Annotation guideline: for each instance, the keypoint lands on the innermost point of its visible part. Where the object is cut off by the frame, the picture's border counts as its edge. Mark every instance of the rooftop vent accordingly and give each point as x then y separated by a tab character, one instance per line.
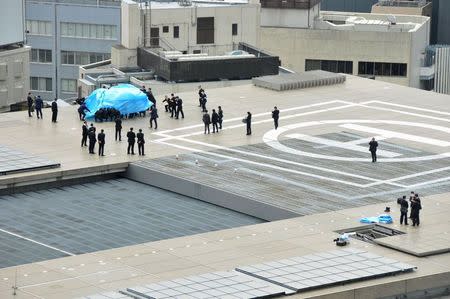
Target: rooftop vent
369	233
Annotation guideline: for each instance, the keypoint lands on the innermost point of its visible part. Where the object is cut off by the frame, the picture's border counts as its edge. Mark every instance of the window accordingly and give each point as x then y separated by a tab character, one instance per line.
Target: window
205	30
234	29
386	69
94	31
165	29
68	85
39	27
176	31
41	83
334	66
82	58
41	55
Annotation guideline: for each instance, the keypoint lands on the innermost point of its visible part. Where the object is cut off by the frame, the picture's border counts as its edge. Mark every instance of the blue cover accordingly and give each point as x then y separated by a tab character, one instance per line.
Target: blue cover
387	219
124	97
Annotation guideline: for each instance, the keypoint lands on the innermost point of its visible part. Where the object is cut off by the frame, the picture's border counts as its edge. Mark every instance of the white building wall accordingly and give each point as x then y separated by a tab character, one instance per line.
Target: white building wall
14	75
420	39
290	18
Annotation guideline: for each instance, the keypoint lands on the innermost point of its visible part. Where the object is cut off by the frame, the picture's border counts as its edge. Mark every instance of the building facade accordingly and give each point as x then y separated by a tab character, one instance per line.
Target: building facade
65	34
14	56
367	45
348	5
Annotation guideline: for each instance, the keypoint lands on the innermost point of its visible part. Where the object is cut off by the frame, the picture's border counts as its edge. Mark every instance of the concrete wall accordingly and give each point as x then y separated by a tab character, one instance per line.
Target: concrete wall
419	11
295	45
291	18
420	39
67	12
14	76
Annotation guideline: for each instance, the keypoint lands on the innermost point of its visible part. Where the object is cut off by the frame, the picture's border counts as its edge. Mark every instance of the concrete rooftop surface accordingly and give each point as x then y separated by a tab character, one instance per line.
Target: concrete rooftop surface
310	178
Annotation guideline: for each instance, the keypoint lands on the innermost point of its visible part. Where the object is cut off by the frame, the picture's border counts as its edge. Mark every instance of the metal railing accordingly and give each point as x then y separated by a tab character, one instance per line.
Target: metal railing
402	3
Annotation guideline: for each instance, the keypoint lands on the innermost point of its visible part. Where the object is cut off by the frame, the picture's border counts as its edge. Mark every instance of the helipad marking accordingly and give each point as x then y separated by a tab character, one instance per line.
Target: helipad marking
271	139
344	145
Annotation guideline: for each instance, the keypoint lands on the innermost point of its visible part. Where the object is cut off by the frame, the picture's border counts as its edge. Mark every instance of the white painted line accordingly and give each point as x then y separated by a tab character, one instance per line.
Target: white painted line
409	107
343	145
366	140
414	175
36	242
254	116
261	164
398	135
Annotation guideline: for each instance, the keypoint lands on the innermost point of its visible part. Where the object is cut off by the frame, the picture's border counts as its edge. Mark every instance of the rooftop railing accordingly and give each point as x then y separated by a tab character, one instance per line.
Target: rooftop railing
402	3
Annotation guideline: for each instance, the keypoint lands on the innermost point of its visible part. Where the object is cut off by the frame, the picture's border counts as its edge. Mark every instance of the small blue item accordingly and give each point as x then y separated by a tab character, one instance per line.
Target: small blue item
124	97
386	219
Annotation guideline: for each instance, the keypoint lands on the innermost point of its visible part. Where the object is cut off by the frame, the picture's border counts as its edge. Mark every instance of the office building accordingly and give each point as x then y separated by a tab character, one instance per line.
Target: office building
64	35
14	56
348	5
371	45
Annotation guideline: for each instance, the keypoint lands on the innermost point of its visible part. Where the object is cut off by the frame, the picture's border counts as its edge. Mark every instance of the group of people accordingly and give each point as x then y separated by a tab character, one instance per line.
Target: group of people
90	133
415	206
216	119
174	105
37	104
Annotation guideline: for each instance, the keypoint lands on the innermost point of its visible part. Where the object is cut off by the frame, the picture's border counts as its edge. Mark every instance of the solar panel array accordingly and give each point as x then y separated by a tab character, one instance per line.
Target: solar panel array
230	284
12	160
327	268
276	278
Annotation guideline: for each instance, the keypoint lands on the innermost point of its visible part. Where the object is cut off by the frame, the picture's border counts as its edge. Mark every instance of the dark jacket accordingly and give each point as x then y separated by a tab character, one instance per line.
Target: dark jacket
30	101
140	137
220	112
179	103
85	130
415	208
118	123
101	138
39	103
275	114
54	106
404	205
206	119
215	117
92	136
373	146
131	137
154	113
248	120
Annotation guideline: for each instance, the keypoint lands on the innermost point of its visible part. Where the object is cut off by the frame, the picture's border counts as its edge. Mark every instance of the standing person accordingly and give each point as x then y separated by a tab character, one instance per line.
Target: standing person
92	140
118	122
404	210
166	101
248	122
203	102
131	141
153	117
179	105
201	93
140	142
415	211
275	116
84	134
101	142
30	104
206	121
151	97
220	112
215	121
411	197
373	149
38	104
172	105
54	110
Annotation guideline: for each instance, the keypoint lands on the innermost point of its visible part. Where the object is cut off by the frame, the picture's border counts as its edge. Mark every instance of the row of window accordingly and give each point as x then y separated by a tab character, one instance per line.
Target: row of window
82	58
387	69
93	31
39	27
68	57
45	84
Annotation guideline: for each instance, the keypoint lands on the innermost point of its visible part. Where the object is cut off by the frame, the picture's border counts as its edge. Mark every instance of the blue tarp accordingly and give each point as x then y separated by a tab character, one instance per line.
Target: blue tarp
124	97
380	219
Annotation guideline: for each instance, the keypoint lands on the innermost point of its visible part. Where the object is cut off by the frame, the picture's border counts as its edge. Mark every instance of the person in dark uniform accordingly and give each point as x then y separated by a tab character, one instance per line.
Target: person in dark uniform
373	149
275	116
92	140
215	121
411	197
151	97
30	104
131	141
38	105
118	122
203	101
248	121
84	134
140	142
201	93
101	142
153	117
166	101
220	112
82	111
54	110
404	210
415	211
206	121
179	105
172	105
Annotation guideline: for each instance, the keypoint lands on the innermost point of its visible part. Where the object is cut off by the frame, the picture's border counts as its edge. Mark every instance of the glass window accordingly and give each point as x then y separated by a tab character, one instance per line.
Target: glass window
48	28
79	30
234	29
85	30
64	29
68	85
42	56
48	55
99	31
165	29
41	84
34	55
70	58
107	31
34	83
176	31
48	84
